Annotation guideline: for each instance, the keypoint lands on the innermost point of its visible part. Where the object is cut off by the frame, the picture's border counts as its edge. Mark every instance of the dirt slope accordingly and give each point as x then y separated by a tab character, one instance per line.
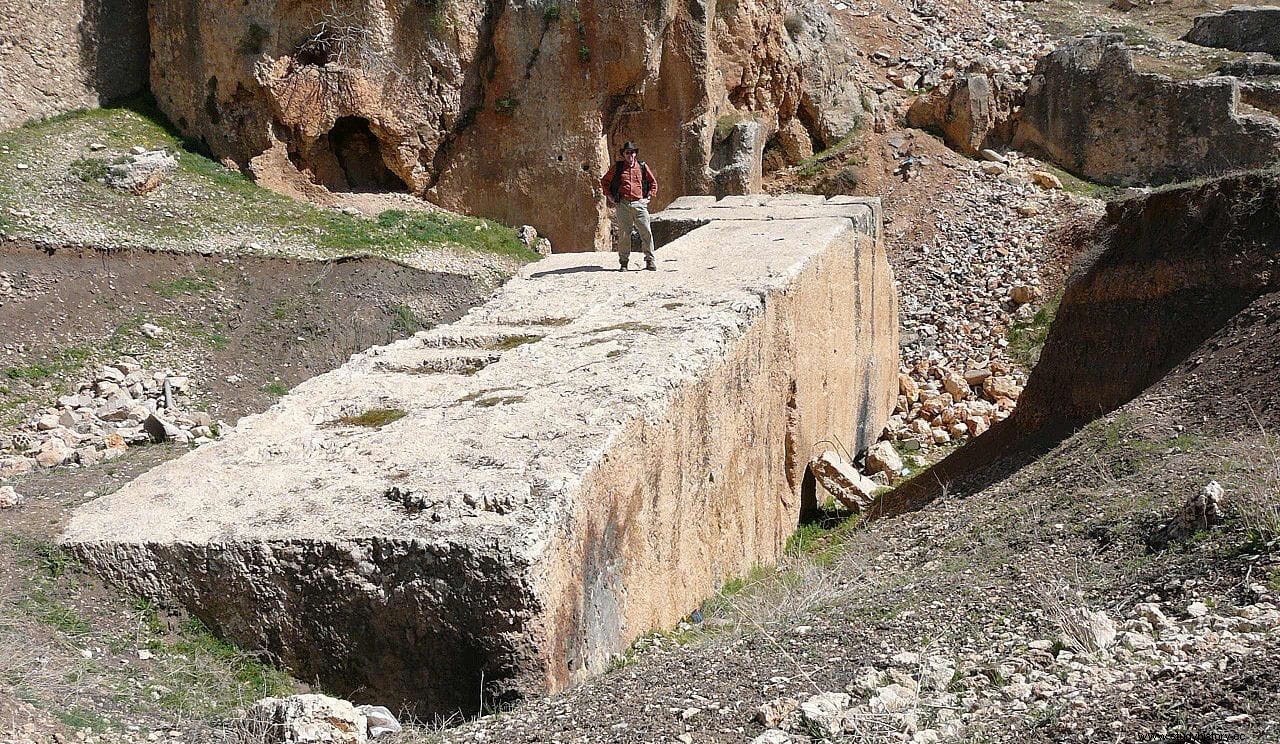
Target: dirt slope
1162	273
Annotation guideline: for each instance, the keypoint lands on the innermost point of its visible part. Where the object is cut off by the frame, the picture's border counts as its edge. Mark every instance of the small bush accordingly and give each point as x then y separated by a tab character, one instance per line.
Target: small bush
552	13
726	123
275	388
89	170
506	105
404	321
1027	337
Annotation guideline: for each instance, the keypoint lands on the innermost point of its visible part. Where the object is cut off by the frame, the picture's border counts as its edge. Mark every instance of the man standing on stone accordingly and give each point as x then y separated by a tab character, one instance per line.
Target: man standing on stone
628	186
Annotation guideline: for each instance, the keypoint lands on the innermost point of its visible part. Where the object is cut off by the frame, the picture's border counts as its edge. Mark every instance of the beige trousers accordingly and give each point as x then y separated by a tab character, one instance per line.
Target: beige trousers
628	214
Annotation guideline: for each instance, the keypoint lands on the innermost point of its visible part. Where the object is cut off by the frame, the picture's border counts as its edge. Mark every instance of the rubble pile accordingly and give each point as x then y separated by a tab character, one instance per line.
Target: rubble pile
937	405
123	404
932	696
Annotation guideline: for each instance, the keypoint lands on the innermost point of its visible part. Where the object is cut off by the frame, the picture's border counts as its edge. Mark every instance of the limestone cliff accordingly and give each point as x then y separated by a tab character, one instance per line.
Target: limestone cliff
506	109
61	55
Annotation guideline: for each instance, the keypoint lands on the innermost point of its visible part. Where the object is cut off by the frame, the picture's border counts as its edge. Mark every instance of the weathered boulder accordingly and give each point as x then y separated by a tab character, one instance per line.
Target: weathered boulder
840	479
1246	68
1244	28
883	458
791	144
972	112
307	719
609	462
10	498
472	103
141	173
737	160
1089	111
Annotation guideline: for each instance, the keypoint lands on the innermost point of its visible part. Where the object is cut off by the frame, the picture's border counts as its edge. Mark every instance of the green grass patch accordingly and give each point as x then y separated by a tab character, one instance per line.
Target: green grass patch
276	388
1027	337
823	540
630	325
58	364
1080	187
215	203
404	321
726	123
53	613
90	170
199	282
1182	443
400	231
507	343
506	105
813	165
374	418
206	675
79	718
498	400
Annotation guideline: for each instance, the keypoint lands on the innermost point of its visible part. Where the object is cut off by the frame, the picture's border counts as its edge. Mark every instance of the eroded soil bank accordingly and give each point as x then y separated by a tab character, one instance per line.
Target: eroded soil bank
265	324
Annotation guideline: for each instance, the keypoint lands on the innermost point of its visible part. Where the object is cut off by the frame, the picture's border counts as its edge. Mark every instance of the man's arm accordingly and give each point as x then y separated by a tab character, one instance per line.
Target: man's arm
606	182
653	181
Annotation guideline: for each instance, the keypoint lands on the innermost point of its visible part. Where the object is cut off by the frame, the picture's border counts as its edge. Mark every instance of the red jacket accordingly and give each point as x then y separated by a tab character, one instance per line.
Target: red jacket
632	187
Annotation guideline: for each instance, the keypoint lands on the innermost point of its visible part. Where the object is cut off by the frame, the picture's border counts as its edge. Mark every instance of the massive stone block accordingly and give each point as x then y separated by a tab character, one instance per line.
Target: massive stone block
1090	111
1242	28
581	460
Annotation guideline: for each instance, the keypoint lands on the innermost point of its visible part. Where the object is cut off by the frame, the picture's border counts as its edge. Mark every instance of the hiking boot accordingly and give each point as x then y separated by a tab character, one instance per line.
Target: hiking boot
650	266
622	267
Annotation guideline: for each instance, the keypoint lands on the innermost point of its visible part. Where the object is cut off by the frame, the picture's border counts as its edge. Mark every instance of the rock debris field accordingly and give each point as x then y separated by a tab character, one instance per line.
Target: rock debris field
123	404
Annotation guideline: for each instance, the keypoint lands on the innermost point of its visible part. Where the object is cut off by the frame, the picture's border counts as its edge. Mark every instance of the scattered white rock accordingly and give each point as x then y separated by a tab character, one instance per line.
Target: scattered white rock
121	404
309	719
883	458
151	330
10	498
141	172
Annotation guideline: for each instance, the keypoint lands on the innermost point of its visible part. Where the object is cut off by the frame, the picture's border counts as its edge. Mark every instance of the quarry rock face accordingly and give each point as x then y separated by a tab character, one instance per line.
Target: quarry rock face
505	502
507	110
1089	111
1178	265
1163	274
61	55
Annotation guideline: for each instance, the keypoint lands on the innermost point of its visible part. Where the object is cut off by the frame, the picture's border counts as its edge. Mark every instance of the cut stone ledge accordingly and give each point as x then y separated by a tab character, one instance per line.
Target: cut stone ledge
630	442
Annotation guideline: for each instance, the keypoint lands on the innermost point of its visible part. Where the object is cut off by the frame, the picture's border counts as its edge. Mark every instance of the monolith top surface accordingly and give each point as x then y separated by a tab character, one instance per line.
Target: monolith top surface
499	415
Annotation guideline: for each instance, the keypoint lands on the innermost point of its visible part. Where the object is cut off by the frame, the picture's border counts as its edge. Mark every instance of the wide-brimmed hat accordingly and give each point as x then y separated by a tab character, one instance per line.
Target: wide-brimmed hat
630	146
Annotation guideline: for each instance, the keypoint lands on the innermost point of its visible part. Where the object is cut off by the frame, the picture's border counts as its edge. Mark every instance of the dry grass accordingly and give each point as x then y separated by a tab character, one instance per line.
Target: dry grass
374	418
76	658
1065	607
1259	501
